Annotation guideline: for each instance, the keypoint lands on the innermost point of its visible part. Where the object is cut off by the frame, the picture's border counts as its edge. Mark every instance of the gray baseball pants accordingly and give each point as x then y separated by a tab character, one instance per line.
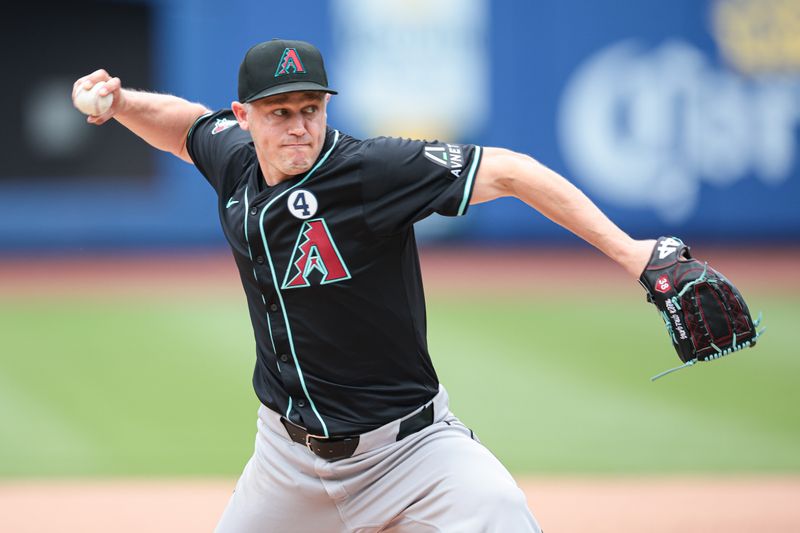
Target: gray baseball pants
439	479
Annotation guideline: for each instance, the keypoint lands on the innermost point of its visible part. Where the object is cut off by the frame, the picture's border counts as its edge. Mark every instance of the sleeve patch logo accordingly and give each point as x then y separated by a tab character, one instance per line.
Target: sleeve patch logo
449	156
315	258
223	124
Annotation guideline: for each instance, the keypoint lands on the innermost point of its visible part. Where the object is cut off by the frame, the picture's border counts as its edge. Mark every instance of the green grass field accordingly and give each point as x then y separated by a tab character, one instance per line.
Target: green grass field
103	387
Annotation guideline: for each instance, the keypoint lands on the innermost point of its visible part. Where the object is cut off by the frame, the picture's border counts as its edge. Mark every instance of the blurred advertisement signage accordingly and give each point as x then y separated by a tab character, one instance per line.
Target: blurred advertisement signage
645	126
412	68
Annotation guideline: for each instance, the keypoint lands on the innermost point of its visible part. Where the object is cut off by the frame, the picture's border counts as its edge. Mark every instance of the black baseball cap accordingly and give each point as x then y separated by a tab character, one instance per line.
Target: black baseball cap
279	66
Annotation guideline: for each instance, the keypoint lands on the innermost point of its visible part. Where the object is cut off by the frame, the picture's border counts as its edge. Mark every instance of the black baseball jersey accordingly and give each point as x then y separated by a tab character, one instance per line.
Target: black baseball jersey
329	265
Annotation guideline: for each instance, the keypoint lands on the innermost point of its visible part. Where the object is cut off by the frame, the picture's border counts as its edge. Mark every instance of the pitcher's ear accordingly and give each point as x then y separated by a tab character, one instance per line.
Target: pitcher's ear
241	110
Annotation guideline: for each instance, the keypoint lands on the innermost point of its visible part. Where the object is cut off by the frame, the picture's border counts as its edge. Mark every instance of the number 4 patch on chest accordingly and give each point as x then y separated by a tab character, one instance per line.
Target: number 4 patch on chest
315	258
302	204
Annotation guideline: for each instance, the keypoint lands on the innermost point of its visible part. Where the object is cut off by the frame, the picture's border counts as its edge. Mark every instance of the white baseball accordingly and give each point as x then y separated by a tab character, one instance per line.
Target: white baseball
89	102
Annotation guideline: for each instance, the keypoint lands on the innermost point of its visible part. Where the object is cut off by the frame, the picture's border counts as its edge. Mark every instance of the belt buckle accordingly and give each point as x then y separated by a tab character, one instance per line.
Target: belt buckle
309	436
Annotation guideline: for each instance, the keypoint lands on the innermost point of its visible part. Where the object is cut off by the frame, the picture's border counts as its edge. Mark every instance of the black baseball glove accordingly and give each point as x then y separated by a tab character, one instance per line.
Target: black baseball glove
705	314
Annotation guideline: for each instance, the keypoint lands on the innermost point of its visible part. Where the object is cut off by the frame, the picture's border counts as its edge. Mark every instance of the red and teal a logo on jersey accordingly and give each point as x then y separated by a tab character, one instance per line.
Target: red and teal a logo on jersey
290	63
315	251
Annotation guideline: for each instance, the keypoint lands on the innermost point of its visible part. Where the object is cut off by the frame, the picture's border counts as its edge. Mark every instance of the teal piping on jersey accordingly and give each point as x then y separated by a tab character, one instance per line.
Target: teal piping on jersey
249	251
277	286
194	124
289	409
470	179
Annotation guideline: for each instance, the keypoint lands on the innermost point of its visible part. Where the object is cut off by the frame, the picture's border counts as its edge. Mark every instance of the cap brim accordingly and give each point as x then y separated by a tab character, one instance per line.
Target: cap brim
290	88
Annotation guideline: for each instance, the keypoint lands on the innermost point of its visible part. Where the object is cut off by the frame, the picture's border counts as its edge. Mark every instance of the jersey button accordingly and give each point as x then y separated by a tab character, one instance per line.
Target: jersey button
253	211
260	259
273	307
301	403
284	357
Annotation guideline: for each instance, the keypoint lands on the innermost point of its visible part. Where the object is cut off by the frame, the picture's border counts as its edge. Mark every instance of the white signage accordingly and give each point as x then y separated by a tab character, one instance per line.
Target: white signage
644	127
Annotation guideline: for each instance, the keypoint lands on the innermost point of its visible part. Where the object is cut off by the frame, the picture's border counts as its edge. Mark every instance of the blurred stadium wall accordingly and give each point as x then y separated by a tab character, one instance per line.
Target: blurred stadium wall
675	117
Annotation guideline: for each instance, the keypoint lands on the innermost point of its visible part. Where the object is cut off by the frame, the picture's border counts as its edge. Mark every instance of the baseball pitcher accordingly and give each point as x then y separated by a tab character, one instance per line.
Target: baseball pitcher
354	430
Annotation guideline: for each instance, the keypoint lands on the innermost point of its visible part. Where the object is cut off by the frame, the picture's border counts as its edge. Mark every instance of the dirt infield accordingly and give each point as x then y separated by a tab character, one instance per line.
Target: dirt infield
562	505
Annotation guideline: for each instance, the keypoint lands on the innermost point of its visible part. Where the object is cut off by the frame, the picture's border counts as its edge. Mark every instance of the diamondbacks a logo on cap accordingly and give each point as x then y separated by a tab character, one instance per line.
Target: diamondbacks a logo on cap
290	63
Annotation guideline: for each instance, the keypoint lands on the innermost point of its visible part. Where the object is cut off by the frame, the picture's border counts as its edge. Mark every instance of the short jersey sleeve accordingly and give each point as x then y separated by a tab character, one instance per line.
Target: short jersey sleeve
219	148
405	180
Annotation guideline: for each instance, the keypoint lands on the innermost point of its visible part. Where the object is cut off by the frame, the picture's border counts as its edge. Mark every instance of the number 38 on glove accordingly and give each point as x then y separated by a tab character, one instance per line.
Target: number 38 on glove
704	313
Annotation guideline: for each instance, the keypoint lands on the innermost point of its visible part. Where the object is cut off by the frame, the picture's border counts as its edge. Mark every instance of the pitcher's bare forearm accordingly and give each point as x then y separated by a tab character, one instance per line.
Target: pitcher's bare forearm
506	173
162	120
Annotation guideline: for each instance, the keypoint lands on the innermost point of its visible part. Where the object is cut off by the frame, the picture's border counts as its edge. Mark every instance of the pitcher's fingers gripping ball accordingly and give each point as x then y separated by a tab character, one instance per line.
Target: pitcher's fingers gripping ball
91	102
97	95
705	314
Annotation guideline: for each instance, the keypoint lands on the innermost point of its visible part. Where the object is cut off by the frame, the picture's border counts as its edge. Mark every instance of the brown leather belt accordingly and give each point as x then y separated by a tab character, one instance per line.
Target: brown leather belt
341	447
